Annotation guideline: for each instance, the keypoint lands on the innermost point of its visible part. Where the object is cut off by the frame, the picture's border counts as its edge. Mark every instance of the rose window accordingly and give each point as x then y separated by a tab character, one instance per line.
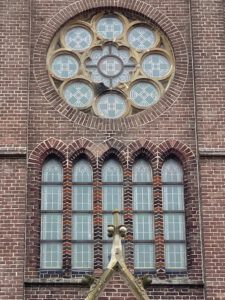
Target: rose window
110	65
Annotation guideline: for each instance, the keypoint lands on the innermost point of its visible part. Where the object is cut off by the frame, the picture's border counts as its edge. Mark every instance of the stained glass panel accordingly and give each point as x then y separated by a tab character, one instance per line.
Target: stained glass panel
156	65
79	94
141	38
144	94
109	27
65	66
78	38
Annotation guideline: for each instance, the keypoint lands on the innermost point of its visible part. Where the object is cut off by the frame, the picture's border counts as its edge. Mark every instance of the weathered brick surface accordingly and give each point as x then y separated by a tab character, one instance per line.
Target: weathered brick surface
49	128
12	227
14	61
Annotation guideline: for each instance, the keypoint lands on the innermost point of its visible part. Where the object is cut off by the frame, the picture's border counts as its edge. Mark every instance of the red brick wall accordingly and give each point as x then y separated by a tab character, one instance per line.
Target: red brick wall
20	128
12	227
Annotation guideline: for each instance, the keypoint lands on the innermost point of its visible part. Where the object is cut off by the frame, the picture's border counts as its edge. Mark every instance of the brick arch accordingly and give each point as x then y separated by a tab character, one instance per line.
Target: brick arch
46	148
78	117
82	146
112	147
180	150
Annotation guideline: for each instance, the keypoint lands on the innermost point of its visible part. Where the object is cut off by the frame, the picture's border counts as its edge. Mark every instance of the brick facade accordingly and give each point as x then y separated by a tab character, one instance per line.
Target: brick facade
188	122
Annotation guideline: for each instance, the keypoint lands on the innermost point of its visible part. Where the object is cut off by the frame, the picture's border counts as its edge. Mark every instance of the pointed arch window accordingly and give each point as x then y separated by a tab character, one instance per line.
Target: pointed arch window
82	220
174	215
112	198
144	253
51	215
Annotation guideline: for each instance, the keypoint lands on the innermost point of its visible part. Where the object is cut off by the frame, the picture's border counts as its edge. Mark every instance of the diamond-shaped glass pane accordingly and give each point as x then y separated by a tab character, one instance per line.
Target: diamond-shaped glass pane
78	94
111	105
141	38
78	38
156	65
144	94
65	66
109	27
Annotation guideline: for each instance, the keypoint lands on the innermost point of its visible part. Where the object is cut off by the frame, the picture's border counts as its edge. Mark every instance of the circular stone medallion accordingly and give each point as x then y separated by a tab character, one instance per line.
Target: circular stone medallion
110	66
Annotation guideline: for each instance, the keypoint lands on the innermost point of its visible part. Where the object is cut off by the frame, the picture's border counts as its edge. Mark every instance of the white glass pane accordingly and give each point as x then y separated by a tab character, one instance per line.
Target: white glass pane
51	256
142	198
106	254
142	171
172	171
143	227
51	196
174	226
108	220
82	227
82	171
51	226
156	65
78	38
52	171
141	38
65	66
111	105
112	197
82	256
82	197
112	171
109	27
175	256
78	94
173	197
144	256
144	94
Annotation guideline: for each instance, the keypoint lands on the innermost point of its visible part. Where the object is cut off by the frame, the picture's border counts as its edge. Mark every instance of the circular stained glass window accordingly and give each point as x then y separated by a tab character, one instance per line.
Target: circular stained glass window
110	65
78	94
65	66
78	38
111	105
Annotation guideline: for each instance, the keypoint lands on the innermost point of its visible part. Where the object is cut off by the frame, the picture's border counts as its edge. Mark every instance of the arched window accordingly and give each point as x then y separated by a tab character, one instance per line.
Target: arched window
144	253
82	220
51	215
112	198
174	215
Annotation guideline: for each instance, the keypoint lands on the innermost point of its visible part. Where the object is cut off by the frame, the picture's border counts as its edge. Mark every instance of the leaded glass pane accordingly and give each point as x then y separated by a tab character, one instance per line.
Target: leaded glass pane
109	27
143	227
172	171
142	171
106	254
51	196
142	198
82	256
78	94
52	171
51	256
141	38
156	65
82	197
111	105
51	225
82	171
144	256
65	66
112	171
175	256
174	226
78	38
173	197
144	94
82	227
112	197
108	220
